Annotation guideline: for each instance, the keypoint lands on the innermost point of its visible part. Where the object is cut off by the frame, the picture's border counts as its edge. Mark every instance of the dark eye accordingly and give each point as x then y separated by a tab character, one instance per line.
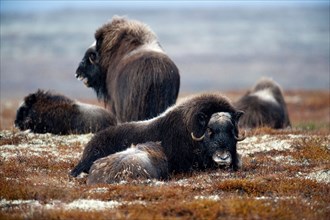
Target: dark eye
92	57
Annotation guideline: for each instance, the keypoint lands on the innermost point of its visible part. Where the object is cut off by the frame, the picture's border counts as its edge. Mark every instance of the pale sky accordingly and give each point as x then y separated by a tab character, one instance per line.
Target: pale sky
40	5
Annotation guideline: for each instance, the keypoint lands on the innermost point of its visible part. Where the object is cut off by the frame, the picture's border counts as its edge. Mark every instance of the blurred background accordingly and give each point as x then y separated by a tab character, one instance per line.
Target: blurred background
218	46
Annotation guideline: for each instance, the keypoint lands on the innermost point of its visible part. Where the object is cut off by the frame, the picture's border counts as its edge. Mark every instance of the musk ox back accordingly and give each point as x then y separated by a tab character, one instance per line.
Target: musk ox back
181	130
46	112
130	71
264	106
143	161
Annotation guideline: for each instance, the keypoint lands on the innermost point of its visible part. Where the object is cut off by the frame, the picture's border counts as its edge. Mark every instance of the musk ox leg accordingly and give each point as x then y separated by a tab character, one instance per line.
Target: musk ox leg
46	112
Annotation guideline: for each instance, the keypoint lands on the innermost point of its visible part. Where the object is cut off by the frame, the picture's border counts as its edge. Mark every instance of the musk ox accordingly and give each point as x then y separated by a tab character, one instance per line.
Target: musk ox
143	161
148	160
44	112
180	129
129	71
264	106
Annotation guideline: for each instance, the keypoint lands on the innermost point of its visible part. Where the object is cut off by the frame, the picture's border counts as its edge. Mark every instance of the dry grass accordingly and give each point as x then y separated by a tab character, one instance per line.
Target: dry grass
285	175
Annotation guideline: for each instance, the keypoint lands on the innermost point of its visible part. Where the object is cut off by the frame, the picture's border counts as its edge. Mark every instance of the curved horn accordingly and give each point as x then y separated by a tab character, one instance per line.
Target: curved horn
240	138
196	138
91	60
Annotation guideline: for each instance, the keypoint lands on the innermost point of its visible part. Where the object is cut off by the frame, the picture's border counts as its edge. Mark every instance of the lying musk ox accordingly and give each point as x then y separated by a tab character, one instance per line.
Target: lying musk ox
143	161
148	161
180	129
264	106
130	71
44	112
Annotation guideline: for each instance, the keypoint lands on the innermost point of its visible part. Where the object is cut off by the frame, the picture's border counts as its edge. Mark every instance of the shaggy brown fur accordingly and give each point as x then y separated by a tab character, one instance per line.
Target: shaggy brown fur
129	70
176	129
44	112
143	161
264	106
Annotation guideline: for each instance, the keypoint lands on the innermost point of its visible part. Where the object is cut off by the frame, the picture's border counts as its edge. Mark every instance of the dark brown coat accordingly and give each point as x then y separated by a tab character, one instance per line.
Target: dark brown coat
177	129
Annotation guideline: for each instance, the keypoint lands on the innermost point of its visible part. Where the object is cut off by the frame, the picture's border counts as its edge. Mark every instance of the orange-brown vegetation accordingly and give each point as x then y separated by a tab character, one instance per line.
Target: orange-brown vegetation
285	175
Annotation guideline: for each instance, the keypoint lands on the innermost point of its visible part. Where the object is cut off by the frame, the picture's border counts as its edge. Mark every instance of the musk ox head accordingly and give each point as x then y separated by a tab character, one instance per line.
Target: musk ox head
142	161
89	71
24	114
221	138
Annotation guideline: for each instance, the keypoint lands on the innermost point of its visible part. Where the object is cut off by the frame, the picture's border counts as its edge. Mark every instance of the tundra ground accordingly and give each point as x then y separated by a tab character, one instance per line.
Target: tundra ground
285	175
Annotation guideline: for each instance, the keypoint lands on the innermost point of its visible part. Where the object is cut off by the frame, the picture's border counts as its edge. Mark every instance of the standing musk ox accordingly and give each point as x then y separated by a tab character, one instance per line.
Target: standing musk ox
130	71
46	112
264	106
180	129
148	160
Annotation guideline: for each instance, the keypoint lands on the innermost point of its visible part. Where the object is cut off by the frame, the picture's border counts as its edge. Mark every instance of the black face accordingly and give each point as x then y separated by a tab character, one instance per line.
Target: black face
220	141
23	121
89	70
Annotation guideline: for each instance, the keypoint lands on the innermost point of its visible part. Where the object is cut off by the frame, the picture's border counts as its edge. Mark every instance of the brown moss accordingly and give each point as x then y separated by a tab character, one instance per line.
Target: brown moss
244	186
313	149
15	139
275	186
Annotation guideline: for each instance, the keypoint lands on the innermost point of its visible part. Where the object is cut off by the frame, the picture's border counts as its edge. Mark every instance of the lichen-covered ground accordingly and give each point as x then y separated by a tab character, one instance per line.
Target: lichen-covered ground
285	175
